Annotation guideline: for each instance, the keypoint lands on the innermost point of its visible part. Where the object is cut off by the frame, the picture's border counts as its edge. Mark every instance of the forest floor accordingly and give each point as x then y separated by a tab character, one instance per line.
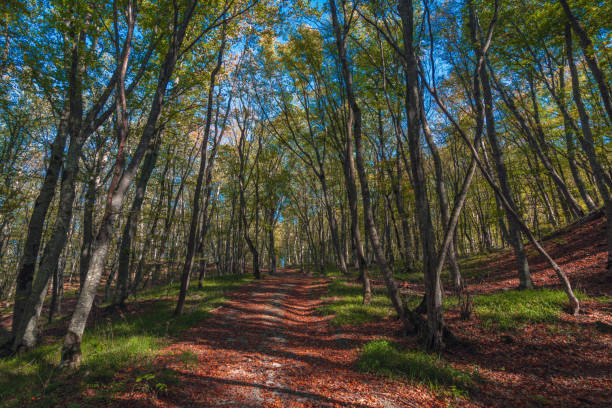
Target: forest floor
295	340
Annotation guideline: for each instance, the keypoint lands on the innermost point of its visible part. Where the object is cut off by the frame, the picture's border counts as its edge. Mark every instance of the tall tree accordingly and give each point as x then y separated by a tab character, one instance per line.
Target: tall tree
71	348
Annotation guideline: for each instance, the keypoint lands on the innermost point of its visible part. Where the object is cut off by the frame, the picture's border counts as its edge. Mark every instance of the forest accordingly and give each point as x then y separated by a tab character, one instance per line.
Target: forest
326	203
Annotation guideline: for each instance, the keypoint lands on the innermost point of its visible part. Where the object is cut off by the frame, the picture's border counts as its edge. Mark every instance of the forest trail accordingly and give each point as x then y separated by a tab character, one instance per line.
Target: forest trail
271	343
267	347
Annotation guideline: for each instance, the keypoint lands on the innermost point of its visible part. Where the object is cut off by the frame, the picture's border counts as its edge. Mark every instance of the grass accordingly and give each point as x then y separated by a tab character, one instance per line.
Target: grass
332	271
347	306
604	299
512	309
414	277
384	357
472	267
507	310
112	344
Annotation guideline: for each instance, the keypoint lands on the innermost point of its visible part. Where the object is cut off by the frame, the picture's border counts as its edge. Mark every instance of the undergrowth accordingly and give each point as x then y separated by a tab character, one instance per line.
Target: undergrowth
506	310
384	357
347	307
511	309
111	344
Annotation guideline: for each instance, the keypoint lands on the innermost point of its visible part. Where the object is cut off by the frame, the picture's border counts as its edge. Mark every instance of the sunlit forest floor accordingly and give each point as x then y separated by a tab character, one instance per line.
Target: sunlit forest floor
306	340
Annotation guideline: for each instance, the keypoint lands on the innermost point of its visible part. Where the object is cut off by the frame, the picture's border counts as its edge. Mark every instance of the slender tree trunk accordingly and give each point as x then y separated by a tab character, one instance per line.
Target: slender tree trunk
588	144
243	204
387	226
147	246
25	274
54	294
354	131
441	191
131	224
193	228
591	58
407	246
571	149
331	218
514	232
348	168
207	213
71	348
88	220
271	244
150	236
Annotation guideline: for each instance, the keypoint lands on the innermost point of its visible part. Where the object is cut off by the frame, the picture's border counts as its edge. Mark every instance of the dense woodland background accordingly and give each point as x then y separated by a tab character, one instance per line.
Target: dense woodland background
145	143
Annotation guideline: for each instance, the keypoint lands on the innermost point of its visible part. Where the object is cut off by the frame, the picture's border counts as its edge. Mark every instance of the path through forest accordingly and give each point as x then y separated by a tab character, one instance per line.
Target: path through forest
267	347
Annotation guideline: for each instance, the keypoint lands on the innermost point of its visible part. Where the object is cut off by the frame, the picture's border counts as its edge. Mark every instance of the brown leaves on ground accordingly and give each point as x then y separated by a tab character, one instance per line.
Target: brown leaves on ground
268	347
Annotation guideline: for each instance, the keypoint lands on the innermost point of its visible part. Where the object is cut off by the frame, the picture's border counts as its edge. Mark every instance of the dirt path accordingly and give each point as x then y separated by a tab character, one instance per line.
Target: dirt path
267	347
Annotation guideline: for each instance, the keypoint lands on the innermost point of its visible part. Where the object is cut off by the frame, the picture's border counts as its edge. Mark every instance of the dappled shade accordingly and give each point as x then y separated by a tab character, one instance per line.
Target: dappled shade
328	203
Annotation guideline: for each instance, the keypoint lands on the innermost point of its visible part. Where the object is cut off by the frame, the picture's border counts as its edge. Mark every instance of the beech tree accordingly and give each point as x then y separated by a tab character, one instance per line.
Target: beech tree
153	143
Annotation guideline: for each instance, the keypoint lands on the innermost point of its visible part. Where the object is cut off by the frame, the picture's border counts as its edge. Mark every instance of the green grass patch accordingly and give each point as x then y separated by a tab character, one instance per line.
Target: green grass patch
604	299
112	344
511	309
507	310
414	277
332	271
384	357
477	266
347	307
345	303
472	267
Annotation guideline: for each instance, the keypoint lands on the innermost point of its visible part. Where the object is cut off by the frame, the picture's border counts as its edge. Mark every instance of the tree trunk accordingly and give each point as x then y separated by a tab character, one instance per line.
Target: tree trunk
88	219
25	274
193	228
348	168
331	218
353	130
588	145
514	232
591	59
571	149
150	236
58	289
71	348
129	229
441	191
271	244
